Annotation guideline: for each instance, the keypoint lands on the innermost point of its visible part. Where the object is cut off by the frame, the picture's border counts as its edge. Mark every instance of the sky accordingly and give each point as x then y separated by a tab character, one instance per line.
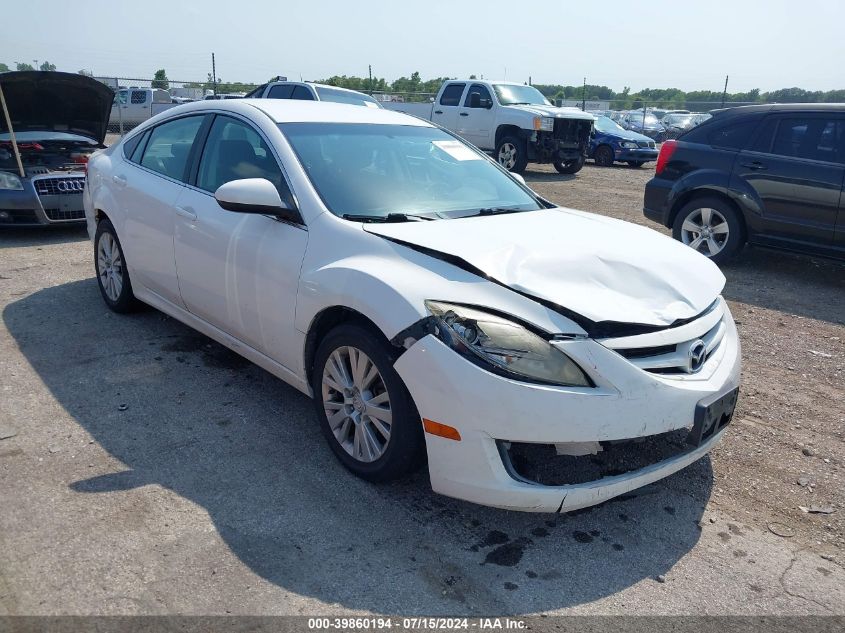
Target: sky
686	44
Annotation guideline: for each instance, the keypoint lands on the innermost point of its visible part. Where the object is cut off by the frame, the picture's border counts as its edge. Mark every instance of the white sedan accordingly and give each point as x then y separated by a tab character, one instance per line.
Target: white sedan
542	358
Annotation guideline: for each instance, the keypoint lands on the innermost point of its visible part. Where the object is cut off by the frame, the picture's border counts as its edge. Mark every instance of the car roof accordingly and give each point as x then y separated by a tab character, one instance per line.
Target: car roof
781	107
296	111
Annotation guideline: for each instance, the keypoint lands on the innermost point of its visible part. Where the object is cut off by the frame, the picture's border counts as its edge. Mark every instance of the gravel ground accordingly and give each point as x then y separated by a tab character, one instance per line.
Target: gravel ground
145	469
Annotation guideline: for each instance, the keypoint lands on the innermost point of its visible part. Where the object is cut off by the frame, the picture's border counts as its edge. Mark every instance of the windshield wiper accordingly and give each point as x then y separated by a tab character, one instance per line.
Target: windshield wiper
385	219
499	210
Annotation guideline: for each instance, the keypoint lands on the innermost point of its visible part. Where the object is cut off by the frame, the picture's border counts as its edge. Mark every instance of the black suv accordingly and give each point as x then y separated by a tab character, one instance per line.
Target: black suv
767	174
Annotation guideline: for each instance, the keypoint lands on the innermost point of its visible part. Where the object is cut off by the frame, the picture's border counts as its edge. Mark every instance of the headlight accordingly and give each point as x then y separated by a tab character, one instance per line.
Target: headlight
10	181
628	144
500	344
544	123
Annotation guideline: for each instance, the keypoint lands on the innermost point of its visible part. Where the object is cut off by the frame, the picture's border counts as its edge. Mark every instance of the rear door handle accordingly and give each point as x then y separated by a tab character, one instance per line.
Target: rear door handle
438	112
186	212
756	165
464	113
120	181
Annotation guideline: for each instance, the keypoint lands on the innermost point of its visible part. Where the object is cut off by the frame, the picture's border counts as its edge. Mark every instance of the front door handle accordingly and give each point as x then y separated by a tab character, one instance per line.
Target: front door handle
464	113
120	181
756	165
186	212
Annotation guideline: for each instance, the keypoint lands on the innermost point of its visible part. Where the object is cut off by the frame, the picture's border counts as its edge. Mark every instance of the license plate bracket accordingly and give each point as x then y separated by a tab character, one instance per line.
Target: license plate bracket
712	414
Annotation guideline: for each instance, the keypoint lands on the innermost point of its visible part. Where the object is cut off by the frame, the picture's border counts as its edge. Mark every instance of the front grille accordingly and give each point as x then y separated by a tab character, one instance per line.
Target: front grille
675	356
67	185
57	215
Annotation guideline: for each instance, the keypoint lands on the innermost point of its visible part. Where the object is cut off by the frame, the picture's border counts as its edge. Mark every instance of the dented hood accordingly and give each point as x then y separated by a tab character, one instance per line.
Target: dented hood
602	269
56	102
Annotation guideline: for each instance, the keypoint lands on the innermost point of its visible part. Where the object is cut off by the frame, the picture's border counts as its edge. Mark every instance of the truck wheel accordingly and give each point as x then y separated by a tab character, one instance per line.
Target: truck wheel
569	166
512	154
710	226
603	156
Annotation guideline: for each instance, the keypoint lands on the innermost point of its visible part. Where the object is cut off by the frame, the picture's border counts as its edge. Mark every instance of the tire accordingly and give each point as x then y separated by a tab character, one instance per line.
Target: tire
570	166
112	274
372	455
512	154
706	211
636	163
603	156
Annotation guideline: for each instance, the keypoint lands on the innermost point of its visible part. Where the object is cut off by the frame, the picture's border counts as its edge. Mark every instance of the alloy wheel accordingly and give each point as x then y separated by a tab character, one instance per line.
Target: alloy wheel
507	155
110	266
356	403
705	230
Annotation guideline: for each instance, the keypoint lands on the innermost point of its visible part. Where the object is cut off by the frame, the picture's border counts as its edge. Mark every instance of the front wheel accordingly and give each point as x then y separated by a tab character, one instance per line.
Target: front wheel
569	166
603	156
710	226
365	410
512	154
110	266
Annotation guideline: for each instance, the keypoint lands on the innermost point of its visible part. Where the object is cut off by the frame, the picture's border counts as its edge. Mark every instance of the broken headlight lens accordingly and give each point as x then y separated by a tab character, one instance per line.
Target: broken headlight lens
507	346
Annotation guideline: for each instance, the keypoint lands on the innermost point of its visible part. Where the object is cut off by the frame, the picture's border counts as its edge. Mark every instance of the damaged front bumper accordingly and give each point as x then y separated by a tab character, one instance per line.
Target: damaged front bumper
496	415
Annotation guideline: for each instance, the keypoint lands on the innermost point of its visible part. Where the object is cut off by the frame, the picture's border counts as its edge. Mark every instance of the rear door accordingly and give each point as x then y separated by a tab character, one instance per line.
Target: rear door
476	118
796	166
446	108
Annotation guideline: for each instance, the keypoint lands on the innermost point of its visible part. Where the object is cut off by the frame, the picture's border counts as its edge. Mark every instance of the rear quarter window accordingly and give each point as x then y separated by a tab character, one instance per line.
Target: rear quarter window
734	134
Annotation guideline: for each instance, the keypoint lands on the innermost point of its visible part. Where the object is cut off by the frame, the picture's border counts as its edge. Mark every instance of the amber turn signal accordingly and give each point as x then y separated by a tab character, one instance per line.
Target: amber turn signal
443	430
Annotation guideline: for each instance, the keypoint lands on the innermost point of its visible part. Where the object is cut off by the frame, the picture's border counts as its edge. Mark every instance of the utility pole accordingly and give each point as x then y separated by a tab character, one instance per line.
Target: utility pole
370	68
530	83
725	91
214	74
584	95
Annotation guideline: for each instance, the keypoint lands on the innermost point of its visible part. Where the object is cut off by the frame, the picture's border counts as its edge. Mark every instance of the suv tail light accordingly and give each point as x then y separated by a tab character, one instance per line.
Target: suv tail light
666	150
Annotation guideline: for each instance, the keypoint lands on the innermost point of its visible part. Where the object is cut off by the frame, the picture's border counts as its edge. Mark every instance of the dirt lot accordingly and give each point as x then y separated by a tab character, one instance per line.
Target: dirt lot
145	469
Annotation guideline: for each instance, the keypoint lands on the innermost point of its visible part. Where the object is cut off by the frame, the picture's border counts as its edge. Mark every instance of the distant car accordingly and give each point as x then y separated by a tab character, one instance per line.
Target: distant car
307	91
133	106
676	124
54	141
225	95
611	142
662	114
644	123
768	174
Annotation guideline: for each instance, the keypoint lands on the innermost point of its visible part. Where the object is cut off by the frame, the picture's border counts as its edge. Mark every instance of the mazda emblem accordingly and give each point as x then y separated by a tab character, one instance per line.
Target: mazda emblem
697	355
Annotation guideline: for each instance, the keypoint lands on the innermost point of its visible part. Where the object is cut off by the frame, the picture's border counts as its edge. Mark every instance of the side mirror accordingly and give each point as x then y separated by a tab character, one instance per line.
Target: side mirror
253	195
474	100
519	178
487	104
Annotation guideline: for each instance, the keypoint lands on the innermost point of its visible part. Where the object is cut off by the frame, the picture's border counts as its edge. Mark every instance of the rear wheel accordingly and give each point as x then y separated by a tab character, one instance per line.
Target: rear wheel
365	410
603	156
569	166
710	226
512	154
110	266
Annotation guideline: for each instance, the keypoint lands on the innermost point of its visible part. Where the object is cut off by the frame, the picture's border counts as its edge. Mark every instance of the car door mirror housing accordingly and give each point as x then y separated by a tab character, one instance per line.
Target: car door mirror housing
519	178
253	195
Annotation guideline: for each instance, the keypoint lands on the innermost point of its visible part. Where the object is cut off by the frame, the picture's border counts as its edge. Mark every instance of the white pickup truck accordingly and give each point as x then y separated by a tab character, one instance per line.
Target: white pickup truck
513	121
133	106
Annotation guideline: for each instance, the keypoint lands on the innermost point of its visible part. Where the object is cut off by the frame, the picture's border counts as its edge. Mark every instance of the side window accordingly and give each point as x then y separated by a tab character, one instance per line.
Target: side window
120	97
281	91
302	93
734	135
234	150
131	145
763	142
139	96
138	151
452	94
169	145
481	100
812	138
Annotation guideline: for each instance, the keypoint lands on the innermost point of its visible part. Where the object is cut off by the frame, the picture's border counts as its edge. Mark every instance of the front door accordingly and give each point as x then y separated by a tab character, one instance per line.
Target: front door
239	272
796	166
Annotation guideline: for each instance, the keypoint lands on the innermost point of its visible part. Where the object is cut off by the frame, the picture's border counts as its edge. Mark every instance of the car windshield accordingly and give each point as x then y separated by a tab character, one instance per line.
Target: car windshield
637	117
371	170
608	126
345	96
513	94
